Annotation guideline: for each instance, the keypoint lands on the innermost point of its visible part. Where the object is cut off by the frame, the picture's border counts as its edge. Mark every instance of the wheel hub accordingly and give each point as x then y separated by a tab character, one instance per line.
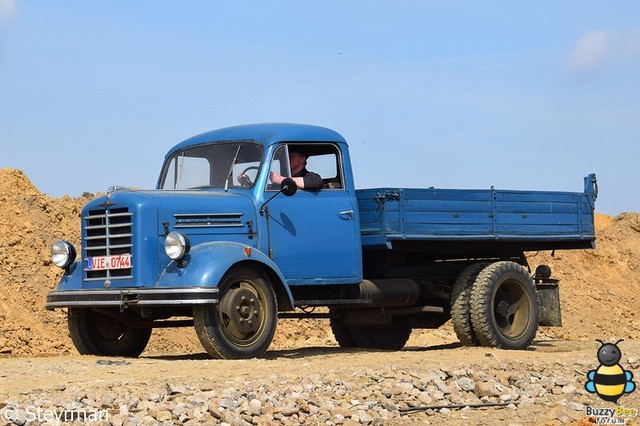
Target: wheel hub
503	309
511	309
241	312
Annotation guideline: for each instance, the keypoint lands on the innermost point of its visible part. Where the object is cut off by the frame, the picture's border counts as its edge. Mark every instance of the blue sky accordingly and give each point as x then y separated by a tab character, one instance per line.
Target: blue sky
452	94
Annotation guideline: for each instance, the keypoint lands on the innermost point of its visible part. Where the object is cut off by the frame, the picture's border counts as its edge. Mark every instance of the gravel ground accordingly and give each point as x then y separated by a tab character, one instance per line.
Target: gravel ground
315	386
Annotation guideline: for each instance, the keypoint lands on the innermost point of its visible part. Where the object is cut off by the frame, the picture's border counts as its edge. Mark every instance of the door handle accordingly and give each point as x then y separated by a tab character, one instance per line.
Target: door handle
346	215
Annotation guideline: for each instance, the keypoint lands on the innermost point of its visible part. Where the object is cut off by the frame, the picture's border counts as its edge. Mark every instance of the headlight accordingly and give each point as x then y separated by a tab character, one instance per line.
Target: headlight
63	254
176	245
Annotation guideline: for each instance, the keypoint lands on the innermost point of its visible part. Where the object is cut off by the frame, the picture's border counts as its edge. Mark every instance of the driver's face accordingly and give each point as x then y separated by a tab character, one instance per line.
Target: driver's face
297	162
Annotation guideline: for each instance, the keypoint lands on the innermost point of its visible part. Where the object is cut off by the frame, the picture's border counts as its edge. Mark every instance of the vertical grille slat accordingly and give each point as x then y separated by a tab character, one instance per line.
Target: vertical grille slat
107	233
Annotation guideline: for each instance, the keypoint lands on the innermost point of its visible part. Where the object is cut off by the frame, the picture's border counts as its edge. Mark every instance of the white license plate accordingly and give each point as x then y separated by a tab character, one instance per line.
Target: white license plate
100	263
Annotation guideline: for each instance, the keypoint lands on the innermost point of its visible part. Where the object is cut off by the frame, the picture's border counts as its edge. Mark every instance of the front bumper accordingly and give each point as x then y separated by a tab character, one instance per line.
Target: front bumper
132	297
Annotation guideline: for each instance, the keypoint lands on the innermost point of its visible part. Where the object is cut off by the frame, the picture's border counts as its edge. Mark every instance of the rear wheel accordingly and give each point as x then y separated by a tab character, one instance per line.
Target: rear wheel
95	333
341	332
391	336
243	323
504	306
460	304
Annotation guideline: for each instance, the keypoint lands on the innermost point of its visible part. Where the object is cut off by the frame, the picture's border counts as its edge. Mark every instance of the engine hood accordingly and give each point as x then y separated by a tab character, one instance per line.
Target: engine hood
191	212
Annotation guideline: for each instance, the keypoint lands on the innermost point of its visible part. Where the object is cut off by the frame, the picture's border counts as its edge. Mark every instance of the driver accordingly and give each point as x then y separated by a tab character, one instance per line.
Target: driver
303	178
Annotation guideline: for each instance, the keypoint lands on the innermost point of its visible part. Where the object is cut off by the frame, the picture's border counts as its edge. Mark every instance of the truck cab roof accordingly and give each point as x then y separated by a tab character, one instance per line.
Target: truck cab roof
266	134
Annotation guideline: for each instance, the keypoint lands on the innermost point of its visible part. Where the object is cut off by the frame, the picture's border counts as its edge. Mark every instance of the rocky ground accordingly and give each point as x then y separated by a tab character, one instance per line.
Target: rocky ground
305	378
312	386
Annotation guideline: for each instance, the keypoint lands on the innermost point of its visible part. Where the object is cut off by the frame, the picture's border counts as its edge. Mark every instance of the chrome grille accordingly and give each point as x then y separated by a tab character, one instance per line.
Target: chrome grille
107	233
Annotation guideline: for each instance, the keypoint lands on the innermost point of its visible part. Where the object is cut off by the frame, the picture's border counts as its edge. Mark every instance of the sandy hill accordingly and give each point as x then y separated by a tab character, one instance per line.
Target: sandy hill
600	289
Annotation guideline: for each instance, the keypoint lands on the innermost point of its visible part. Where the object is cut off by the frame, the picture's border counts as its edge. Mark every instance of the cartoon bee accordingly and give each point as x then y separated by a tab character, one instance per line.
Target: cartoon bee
609	381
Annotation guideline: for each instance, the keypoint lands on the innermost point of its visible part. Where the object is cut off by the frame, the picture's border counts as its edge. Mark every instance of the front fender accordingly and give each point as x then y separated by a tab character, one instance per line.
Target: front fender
206	264
72	279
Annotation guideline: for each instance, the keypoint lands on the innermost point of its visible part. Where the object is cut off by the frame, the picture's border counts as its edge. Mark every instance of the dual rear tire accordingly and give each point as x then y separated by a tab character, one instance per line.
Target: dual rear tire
495	305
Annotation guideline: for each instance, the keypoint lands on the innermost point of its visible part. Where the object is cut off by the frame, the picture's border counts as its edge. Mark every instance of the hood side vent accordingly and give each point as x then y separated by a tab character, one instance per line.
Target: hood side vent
208	220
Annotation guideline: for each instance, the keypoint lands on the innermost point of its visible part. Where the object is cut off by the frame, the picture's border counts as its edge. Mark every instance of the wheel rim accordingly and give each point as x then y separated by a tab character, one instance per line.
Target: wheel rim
242	314
512	309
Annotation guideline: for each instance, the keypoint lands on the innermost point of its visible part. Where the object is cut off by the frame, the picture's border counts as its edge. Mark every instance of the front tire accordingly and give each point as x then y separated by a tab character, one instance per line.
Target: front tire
504	306
243	323
95	333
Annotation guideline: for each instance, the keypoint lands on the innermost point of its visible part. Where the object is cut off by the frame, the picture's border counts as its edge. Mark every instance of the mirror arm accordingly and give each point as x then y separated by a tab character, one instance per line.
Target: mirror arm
288	186
263	207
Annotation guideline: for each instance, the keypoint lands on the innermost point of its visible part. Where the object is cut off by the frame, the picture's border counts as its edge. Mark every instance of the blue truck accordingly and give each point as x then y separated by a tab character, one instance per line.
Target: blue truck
220	246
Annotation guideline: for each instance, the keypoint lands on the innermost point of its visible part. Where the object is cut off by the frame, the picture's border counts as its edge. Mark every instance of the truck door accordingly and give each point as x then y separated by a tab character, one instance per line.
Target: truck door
313	233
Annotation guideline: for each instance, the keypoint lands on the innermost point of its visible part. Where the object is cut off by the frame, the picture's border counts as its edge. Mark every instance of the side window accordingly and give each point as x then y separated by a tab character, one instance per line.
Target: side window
323	159
326	165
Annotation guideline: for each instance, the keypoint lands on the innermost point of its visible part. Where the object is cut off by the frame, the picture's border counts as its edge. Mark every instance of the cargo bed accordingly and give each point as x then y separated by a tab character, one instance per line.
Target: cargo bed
490	218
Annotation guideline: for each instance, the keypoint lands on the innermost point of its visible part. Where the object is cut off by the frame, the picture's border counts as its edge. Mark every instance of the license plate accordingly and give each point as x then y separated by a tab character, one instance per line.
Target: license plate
100	263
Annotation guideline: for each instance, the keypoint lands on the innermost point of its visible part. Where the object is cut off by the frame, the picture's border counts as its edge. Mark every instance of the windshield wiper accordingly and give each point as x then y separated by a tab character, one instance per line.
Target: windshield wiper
226	183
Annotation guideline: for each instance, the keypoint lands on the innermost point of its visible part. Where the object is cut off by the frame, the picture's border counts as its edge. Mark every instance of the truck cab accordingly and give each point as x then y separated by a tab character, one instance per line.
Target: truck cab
313	239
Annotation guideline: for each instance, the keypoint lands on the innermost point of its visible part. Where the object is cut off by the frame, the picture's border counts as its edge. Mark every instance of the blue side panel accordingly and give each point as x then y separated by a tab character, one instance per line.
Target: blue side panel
388	214
543	215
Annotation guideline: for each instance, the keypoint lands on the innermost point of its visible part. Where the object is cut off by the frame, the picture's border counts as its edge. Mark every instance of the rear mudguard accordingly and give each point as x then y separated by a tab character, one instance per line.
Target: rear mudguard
207	263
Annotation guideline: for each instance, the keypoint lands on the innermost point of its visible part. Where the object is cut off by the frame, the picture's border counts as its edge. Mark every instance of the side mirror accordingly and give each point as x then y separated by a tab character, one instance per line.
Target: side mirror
288	187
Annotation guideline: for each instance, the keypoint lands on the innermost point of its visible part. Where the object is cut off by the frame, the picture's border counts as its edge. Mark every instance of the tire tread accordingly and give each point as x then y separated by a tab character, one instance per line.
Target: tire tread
461	304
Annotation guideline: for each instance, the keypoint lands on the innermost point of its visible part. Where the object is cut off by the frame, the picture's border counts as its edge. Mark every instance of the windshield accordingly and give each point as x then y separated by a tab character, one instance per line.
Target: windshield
217	165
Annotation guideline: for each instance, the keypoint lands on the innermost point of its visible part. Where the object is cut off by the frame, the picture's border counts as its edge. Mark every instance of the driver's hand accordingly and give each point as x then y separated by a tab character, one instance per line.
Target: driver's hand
275	177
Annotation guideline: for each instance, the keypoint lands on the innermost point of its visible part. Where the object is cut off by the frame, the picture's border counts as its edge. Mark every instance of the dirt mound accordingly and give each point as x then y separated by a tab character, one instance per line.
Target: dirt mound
29	223
598	287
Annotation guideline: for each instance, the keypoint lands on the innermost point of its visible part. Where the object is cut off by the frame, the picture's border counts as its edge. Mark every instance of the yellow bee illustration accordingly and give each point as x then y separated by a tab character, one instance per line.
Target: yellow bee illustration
609	381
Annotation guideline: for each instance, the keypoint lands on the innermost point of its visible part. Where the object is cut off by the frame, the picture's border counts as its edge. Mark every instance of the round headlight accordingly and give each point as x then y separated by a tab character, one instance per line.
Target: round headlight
63	254
176	245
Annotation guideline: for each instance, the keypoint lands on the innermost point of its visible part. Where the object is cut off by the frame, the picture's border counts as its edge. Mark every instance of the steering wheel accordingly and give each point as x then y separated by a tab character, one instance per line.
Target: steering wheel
245	180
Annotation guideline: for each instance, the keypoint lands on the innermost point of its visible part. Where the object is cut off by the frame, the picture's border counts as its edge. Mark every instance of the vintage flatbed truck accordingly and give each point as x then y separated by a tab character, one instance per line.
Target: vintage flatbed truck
218	246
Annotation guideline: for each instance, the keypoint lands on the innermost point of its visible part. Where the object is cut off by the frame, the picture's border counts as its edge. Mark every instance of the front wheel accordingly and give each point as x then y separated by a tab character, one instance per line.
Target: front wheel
504	306
95	333
243	323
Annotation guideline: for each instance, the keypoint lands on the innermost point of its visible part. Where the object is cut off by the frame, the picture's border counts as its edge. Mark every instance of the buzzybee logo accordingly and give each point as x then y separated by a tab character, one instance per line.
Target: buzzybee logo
610	381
